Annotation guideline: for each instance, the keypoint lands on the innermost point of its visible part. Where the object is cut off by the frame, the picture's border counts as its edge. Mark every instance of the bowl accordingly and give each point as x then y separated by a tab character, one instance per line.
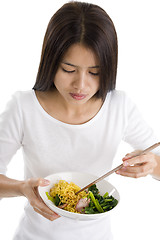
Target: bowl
80	179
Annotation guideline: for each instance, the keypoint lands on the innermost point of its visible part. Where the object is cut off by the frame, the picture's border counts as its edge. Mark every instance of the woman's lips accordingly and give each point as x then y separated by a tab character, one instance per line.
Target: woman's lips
78	96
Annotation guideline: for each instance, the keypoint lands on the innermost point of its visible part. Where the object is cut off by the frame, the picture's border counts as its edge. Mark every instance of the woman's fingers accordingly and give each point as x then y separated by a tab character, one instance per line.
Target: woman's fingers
131	155
139	166
50	217
141	160
30	190
135	160
42	209
35	182
136	171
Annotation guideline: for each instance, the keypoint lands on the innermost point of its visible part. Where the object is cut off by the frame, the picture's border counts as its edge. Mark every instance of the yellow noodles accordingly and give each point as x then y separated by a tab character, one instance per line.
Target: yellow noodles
66	192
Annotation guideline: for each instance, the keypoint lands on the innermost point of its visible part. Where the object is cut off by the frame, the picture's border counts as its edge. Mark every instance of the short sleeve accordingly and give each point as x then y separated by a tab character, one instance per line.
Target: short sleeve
137	132
11	133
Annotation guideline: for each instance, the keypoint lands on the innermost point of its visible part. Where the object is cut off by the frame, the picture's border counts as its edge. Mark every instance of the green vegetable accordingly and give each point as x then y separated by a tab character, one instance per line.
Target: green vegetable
108	200
96	203
93	189
105	195
107	208
49	197
89	210
55	200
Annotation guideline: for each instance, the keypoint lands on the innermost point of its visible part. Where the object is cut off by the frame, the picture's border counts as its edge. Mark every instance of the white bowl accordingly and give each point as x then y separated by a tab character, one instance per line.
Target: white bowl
80	179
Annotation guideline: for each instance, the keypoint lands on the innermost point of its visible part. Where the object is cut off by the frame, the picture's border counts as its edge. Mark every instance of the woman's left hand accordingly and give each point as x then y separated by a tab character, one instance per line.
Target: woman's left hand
139	166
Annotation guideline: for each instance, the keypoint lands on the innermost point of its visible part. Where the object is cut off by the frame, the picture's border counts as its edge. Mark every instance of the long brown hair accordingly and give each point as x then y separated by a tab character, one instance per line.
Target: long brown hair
79	22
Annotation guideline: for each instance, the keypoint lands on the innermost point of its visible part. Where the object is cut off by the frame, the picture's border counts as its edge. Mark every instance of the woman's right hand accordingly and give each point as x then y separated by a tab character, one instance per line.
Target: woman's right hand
30	191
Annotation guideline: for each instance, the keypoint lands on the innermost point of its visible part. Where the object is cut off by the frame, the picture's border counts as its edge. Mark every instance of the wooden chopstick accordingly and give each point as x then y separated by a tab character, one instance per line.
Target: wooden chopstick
118	167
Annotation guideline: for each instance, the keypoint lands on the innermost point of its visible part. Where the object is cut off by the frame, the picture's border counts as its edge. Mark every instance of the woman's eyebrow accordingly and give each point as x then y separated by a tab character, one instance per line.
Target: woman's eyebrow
70	64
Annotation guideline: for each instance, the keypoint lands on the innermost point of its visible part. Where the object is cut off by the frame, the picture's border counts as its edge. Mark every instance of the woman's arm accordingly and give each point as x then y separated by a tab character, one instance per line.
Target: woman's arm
156	171
10	187
29	188
141	166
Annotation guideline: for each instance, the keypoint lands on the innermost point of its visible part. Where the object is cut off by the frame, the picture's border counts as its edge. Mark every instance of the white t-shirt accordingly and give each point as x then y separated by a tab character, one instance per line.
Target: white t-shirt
50	146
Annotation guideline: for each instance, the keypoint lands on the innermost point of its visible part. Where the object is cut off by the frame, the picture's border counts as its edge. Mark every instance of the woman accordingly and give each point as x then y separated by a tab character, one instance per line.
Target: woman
72	108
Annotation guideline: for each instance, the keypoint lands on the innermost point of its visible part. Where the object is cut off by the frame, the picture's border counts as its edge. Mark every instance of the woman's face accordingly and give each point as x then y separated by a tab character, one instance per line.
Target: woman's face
77	78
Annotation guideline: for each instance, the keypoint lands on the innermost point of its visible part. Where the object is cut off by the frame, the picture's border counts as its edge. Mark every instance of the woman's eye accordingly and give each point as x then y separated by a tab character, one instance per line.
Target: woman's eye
68	71
94	74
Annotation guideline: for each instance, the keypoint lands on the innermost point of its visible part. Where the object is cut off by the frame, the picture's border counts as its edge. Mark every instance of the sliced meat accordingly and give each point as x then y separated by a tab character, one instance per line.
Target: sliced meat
82	203
63	206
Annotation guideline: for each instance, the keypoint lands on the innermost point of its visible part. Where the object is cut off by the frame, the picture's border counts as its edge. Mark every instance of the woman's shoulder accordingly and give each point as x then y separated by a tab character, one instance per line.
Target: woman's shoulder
23	96
120	100
23	93
117	96
20	100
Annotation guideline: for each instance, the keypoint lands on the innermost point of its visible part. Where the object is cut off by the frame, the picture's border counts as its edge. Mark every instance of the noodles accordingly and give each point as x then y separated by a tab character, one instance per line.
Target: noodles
66	192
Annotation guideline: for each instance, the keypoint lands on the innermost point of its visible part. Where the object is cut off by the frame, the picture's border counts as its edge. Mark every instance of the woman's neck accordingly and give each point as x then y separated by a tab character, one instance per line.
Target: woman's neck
56	106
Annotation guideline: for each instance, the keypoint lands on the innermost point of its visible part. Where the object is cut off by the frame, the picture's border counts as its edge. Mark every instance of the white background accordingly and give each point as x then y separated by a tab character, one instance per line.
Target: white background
22	28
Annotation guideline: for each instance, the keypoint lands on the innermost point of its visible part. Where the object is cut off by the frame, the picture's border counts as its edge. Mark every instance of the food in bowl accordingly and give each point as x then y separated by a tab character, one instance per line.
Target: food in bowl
63	195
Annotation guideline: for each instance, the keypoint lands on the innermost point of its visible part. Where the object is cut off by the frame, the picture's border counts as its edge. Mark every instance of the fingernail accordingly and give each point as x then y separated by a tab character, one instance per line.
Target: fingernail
45	182
125	158
125	164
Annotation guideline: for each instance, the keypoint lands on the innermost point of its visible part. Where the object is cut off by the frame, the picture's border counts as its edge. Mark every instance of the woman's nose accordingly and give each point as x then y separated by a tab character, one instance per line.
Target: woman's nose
80	81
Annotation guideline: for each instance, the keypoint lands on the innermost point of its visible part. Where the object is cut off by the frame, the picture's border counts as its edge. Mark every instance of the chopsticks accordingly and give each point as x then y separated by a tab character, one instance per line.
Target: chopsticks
118	167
